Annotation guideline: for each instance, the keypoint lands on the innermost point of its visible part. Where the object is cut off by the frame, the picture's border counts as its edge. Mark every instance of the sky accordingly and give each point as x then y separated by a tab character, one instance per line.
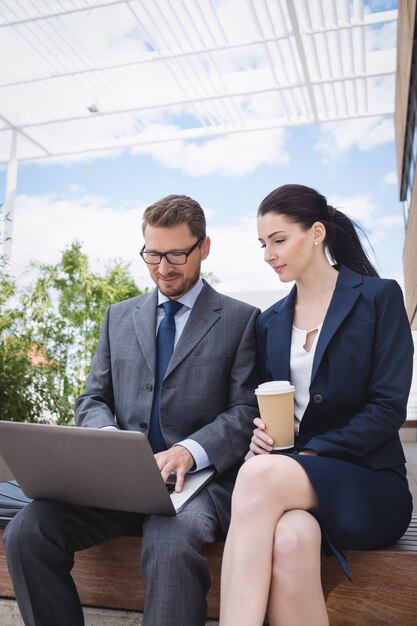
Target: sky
99	200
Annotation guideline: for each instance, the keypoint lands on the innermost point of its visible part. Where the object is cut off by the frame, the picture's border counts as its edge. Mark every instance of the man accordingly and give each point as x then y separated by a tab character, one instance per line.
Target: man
198	413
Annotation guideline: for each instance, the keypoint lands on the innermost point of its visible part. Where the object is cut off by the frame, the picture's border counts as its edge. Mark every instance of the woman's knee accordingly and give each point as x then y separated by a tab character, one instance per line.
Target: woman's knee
296	547
260	484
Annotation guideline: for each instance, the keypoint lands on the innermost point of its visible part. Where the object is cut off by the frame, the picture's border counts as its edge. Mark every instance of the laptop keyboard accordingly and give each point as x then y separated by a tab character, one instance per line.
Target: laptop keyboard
170	487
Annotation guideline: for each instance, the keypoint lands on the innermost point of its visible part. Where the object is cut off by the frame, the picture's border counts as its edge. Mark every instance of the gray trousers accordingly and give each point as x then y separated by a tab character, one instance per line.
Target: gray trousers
41	540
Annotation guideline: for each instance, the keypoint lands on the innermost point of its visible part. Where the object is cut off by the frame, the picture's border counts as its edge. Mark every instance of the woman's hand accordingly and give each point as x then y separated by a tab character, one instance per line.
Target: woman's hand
261	442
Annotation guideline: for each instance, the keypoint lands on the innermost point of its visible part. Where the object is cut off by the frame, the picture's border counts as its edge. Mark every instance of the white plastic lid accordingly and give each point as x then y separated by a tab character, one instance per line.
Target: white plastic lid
274	387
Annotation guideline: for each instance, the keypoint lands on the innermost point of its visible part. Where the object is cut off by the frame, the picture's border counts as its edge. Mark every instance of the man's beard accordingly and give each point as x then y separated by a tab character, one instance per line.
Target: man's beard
179	288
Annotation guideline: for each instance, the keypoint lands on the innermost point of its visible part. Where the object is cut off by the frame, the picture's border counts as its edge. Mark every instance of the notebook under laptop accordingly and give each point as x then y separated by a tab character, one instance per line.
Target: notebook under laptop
92	467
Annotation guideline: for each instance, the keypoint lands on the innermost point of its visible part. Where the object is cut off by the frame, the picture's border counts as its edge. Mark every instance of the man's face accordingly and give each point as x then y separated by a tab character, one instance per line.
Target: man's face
175	280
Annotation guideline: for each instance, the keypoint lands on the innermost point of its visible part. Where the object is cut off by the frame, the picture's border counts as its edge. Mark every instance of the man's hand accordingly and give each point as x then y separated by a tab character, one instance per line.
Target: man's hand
177	459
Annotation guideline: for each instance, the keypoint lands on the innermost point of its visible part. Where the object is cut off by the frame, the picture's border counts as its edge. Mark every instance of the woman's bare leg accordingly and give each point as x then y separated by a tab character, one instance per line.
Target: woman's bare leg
267	486
296	595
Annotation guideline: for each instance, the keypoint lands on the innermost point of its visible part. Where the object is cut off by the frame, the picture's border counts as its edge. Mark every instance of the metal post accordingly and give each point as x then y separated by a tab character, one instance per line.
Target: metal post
10	196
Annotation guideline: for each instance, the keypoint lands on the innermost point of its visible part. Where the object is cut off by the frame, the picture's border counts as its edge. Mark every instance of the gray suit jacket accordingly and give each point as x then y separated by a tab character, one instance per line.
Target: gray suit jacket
208	390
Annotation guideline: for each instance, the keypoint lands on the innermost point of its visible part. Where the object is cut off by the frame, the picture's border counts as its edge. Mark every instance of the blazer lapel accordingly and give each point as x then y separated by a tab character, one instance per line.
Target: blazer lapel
342	302
144	321
205	313
279	336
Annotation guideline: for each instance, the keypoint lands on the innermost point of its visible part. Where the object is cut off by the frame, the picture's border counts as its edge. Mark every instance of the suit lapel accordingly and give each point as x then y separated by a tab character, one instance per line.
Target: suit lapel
344	297
279	337
205	313
144	321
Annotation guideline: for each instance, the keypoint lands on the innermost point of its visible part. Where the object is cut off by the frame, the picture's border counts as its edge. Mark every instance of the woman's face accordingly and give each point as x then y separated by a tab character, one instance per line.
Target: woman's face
289	249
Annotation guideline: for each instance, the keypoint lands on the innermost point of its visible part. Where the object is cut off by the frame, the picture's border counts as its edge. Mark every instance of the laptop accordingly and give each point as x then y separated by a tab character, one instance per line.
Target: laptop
108	469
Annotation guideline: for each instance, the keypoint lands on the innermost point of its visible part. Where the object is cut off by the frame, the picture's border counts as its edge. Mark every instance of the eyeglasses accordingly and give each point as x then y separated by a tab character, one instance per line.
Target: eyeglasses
173	258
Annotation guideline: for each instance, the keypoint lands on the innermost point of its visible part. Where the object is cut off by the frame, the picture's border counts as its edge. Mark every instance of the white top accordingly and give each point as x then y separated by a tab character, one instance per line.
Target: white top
301	365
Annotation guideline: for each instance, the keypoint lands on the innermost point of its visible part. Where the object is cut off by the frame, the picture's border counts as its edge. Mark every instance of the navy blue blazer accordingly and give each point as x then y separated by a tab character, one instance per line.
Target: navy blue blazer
361	373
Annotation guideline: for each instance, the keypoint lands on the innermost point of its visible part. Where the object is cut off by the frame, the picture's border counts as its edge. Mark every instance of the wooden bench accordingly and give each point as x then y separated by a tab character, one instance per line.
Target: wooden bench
384	588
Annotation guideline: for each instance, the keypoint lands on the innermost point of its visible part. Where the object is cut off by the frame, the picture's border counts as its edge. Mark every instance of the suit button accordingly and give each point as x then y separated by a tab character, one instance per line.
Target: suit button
143	425
317	398
149	387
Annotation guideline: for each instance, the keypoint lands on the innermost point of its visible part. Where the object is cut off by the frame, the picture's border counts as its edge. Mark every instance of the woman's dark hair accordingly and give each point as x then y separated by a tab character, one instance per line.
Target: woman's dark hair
304	206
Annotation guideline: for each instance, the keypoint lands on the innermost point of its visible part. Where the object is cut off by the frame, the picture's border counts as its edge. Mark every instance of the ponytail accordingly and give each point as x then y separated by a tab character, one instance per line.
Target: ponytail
344	245
305	206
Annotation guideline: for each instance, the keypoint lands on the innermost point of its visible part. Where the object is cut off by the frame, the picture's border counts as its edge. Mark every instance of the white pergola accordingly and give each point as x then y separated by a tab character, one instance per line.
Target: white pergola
87	76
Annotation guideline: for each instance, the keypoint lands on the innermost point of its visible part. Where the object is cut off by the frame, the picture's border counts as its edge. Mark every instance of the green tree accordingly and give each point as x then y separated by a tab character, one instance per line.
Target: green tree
26	391
53	333
7	290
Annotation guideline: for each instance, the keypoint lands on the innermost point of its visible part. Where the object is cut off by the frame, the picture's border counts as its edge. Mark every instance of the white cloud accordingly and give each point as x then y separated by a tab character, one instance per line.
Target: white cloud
391	221
76	189
236	258
45	225
365	133
383	36
366	212
81	157
231	155
390	178
361	208
378	228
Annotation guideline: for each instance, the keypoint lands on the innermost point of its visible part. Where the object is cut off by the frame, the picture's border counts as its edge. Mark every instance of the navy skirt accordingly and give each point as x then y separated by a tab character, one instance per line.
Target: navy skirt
358	508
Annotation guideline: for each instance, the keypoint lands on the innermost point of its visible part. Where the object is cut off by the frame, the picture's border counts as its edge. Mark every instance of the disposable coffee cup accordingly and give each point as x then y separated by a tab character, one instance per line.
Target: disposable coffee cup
276	408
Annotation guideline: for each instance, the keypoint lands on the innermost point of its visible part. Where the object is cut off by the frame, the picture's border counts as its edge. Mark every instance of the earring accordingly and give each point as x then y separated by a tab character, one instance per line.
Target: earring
316	243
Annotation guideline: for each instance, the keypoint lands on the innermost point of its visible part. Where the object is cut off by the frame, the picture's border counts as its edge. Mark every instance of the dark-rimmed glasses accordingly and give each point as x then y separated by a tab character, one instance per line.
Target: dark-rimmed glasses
173	258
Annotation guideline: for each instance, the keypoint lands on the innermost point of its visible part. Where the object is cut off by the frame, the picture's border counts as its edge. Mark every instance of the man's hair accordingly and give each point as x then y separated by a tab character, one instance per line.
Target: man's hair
174	210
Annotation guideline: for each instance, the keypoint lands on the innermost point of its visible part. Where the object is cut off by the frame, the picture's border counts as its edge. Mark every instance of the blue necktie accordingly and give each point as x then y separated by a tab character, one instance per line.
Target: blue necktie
164	349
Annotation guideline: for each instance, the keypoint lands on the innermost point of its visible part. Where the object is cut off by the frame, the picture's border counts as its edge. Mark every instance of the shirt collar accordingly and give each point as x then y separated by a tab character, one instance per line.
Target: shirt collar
188	299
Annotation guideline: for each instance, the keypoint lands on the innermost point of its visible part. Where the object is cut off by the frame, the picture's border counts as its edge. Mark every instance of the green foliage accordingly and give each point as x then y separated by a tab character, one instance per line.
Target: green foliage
15	367
27	392
20	384
48	338
7	289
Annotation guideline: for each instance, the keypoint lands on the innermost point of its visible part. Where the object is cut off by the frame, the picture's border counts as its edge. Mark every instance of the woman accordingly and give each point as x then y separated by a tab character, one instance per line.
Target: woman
342	338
